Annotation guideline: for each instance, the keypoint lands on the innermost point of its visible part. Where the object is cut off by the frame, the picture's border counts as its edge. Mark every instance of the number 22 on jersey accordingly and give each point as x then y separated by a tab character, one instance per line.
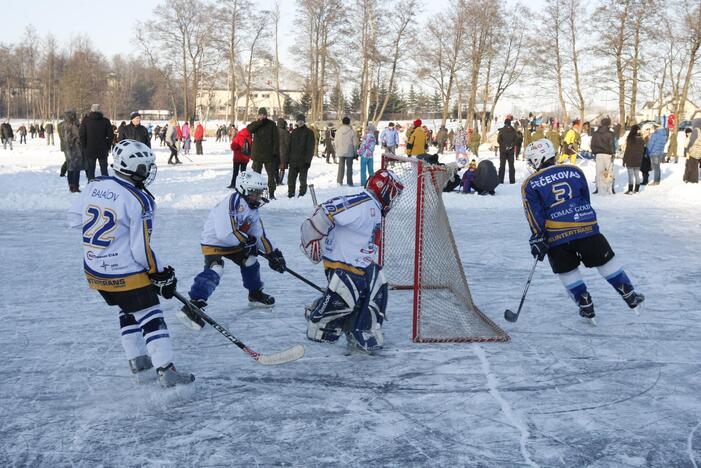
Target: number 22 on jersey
101	222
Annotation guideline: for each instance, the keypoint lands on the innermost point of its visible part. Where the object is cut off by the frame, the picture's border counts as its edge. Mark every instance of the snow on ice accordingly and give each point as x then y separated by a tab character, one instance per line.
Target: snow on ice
560	393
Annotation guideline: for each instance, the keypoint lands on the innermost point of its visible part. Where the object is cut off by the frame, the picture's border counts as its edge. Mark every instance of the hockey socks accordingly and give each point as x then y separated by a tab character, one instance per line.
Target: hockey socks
206	282
577	289
617	277
155	334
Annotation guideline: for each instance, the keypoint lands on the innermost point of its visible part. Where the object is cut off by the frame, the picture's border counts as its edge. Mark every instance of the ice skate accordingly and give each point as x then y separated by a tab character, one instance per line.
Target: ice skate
140	364
260	299
633	299
586	307
168	376
189	318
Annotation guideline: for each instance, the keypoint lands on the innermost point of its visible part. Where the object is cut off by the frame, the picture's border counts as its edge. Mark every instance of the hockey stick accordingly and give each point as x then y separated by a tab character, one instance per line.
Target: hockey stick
288	355
508	314
313	192
297	275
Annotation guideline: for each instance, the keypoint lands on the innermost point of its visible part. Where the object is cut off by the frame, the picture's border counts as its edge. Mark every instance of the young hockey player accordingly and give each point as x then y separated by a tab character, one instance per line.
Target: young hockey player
116	214
564	226
344	232
234	231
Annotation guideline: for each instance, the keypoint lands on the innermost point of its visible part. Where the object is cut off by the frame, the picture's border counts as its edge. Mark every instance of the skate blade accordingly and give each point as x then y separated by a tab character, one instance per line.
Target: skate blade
260	305
592	321
638	309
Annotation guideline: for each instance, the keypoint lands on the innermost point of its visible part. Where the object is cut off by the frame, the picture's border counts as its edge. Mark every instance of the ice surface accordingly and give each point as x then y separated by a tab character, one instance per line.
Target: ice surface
561	393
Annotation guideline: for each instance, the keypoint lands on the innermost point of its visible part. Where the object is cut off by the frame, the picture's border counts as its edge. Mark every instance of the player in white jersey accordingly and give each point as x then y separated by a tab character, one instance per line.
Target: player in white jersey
234	231
116	215
344	232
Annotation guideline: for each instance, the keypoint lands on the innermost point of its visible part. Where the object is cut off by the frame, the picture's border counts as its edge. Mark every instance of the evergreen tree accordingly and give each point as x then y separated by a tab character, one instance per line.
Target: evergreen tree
355	100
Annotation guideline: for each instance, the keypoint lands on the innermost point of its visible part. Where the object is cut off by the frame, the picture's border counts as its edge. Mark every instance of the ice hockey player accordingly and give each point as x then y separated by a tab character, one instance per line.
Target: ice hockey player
116	214
234	231
344	232
564	226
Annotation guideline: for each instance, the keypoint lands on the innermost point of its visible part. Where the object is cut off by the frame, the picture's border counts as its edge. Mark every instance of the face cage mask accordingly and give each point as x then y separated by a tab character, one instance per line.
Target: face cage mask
256	198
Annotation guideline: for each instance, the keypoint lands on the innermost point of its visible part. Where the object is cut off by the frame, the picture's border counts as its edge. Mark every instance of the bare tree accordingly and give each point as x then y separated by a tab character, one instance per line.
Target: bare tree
575	11
479	15
554	35
257	32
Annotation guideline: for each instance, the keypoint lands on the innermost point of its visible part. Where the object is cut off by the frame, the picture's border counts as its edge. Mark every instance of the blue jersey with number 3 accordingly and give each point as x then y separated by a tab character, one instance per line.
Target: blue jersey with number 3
557	205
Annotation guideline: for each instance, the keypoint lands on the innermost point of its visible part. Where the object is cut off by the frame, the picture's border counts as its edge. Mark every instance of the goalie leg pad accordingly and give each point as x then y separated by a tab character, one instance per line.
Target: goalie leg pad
131	337
366	321
327	315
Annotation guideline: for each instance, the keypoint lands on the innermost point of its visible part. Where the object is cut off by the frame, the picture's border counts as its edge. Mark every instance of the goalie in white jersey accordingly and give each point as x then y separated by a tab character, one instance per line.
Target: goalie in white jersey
344	232
116	214
234	231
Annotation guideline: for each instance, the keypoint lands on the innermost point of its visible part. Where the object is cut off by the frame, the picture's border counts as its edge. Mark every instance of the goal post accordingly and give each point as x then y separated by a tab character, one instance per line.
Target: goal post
418	252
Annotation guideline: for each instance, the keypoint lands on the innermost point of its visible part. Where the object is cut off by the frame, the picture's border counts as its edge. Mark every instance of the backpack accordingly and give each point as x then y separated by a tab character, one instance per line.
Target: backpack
694	151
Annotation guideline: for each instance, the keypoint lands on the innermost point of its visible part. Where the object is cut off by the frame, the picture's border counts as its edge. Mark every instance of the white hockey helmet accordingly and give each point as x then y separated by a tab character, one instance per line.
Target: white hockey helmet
539	152
253	188
134	160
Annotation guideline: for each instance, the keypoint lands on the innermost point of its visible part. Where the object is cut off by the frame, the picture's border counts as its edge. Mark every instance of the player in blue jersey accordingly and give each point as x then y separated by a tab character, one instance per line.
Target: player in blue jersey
564	227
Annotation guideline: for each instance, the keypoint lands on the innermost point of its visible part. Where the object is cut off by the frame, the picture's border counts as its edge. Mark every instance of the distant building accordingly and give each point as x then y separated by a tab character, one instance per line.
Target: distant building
215	104
653	109
151	114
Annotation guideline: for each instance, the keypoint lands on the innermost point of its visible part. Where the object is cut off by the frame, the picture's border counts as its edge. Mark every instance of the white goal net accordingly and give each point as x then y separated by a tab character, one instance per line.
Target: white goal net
418	252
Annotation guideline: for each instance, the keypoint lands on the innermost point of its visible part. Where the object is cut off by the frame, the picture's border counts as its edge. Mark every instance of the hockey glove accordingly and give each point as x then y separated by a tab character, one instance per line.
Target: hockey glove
312	251
539	247
165	282
277	261
250	246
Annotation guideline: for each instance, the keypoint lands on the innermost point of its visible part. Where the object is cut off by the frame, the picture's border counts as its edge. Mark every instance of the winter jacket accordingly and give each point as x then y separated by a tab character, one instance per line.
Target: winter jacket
69	136
486	178
22	130
134	132
417	143
301	150
603	141
506	138
199	132
441	137
240	141
389	137
171	135
265	140
49	128
655	144
6	130
633	155
96	135
179	132
346	142
572	142
367	147
185	131
538	135
283	137
554	137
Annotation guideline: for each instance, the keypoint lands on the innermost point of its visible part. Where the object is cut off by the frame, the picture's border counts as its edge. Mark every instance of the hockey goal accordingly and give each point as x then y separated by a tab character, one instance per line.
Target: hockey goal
418	252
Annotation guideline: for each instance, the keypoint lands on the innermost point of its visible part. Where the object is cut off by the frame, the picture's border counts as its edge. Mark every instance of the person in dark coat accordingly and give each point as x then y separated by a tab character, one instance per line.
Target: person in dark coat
265	147
134	130
96	139
7	134
507	142
633	158
302	144
693	155
284	148
486	179
603	147
69	138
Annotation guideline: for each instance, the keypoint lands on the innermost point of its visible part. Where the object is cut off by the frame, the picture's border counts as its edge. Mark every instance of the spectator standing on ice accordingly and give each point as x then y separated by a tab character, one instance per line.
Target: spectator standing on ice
199	136
134	130
283	137
95	140
7	134
441	139
506	140
417	140
571	143
366	152
301	153
390	139
553	135
69	138
604	149
474	140
241	146
329	149
22	130
265	147
693	153
633	158
49	133
32	130
655	148
186	137
171	140
346	147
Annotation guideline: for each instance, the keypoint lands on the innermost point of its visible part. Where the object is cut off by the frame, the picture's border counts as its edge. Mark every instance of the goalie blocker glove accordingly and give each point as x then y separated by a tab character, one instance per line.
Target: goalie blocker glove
539	247
165	282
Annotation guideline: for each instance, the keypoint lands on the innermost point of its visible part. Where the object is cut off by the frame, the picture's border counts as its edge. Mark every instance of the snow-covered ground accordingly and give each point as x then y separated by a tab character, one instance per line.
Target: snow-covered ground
560	393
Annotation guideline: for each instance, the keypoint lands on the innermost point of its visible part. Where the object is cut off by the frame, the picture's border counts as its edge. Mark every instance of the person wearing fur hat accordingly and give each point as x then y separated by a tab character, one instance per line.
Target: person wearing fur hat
417	142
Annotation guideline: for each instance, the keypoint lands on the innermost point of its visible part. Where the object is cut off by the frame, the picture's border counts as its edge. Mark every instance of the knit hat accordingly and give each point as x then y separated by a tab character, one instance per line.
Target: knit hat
95	108
133	115
417	123
300	118
346	120
263	111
